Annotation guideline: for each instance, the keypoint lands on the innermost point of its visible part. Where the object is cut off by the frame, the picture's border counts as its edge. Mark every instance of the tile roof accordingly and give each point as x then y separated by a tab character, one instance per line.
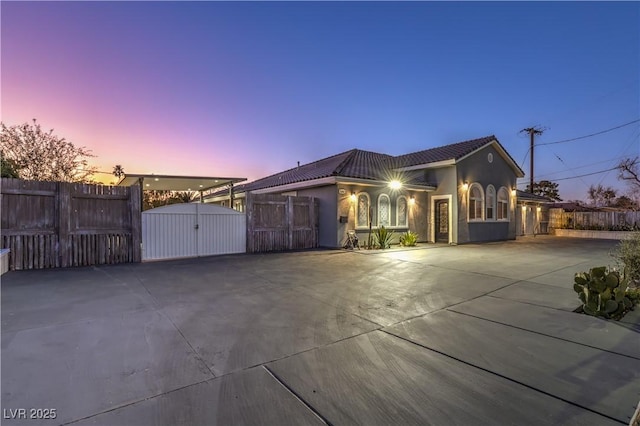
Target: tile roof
441	153
361	164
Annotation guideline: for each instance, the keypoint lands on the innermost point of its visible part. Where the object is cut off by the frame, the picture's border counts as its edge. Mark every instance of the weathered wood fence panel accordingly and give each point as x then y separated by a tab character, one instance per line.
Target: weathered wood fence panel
277	222
606	220
58	224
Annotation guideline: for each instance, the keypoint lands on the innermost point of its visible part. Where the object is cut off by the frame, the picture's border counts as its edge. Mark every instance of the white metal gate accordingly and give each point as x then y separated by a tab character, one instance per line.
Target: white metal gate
191	230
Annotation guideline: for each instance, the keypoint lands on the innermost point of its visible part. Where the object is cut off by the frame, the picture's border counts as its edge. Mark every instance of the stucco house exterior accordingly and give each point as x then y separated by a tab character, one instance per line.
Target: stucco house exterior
459	193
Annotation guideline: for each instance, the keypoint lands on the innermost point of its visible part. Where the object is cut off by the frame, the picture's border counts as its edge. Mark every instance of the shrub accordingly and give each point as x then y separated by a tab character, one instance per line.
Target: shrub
408	239
383	237
603	293
627	256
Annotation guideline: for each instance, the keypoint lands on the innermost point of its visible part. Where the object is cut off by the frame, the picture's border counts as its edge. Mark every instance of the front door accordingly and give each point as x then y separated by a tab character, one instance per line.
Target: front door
442	221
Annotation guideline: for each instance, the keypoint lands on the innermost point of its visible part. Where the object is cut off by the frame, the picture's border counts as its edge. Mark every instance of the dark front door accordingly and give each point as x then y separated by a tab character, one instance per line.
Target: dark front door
442	221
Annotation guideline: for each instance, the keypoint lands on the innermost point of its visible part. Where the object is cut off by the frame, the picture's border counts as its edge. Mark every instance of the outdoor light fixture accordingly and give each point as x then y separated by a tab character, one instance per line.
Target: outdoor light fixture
156	179
147	184
538	208
353	196
513	192
412	199
395	184
465	186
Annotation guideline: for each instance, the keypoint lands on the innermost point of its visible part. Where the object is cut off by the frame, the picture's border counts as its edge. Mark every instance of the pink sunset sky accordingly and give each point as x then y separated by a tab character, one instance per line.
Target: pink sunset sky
248	89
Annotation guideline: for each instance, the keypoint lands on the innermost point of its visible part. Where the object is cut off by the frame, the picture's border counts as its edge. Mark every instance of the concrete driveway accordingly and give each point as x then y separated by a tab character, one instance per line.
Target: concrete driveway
474	334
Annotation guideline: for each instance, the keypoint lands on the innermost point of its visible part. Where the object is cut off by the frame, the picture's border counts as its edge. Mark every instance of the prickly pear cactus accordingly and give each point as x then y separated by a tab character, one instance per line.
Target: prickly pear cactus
602	292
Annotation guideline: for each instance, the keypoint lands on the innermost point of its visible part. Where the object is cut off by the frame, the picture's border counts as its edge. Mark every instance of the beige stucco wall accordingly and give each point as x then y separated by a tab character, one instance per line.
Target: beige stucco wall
417	214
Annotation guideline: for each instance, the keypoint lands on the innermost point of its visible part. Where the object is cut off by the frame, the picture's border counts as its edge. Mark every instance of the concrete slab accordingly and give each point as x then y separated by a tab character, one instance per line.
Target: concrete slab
42	298
604	382
412	291
244	329
632	319
378	379
540	294
577	328
92	366
250	397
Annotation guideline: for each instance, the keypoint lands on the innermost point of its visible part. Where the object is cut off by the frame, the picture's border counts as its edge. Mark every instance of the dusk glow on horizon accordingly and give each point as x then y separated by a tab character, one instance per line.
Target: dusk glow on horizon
240	89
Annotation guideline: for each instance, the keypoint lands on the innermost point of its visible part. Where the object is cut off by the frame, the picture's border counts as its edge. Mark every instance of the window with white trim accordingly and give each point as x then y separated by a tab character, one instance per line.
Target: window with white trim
503	204
491	203
402	211
384	210
362	210
476	202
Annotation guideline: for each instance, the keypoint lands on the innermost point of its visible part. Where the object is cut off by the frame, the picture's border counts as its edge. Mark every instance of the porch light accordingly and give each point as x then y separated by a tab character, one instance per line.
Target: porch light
147	184
513	192
395	184
538	208
412	199
353	196
156	179
465	186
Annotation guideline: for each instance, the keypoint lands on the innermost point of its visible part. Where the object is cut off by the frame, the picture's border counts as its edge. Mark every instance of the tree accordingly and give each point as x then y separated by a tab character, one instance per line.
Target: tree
625	203
118	171
8	167
629	171
41	155
545	188
602	196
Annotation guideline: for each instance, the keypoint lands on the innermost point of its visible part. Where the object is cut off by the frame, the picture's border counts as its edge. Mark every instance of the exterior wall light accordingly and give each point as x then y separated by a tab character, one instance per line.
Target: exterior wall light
513	192
538	209
353	196
465	186
395	184
412	200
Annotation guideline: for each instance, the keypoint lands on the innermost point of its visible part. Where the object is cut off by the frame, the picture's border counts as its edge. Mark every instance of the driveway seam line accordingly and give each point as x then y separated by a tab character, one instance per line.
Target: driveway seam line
543	334
163	313
297	396
136	402
502	376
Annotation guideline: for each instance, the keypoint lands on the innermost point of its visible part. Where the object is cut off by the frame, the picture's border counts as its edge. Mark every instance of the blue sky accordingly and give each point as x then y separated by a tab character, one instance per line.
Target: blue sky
249	89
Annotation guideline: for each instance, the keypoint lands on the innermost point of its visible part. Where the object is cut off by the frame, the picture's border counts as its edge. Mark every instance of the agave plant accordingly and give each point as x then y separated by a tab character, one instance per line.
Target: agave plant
383	237
408	239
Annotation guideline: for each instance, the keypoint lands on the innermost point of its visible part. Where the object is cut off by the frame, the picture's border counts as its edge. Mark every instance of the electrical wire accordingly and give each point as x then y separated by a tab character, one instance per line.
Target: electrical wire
587	174
591	135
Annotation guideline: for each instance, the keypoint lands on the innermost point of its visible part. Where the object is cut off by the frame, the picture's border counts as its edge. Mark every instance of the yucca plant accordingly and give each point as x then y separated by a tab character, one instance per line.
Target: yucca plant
408	239
383	237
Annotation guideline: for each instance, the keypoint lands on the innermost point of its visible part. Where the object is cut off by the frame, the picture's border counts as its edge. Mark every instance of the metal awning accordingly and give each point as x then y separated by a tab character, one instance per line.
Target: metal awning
177	183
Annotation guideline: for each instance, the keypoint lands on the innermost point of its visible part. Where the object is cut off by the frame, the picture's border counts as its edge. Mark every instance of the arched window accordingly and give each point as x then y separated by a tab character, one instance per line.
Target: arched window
384	210
503	204
401	211
476	202
362	213
491	203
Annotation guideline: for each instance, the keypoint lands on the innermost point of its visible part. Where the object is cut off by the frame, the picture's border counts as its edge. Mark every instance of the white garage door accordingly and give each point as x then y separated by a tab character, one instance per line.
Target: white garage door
190	230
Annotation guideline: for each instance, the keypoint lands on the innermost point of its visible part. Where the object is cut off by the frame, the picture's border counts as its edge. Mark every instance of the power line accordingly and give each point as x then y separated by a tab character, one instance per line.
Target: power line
581	167
588	136
588	174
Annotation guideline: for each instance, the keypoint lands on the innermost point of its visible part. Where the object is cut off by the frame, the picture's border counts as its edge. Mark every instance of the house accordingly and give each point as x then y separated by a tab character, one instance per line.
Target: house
459	193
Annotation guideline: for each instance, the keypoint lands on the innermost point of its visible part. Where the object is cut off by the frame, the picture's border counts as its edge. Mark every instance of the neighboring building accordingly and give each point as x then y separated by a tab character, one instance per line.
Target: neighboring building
459	193
532	213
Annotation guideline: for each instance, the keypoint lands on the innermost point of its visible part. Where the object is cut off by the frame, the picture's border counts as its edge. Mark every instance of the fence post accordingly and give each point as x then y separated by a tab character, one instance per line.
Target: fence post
290	221
250	221
135	208
63	207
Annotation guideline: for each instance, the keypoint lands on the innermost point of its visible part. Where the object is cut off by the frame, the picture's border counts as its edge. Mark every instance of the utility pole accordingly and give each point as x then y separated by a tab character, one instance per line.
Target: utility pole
532	132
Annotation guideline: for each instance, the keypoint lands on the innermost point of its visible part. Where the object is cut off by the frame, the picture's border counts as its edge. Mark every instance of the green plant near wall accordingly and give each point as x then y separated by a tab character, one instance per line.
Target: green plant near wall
627	256
408	239
383	237
603	292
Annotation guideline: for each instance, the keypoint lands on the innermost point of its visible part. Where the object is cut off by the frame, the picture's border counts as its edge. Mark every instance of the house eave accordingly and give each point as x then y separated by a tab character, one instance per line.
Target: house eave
434	165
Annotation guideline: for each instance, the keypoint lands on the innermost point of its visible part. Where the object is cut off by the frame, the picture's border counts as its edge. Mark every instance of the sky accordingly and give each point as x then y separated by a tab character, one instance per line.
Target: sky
244	89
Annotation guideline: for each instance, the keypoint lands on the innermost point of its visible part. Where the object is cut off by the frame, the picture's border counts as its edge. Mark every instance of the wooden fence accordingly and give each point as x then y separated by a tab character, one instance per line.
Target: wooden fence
606	220
56	224
276	222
